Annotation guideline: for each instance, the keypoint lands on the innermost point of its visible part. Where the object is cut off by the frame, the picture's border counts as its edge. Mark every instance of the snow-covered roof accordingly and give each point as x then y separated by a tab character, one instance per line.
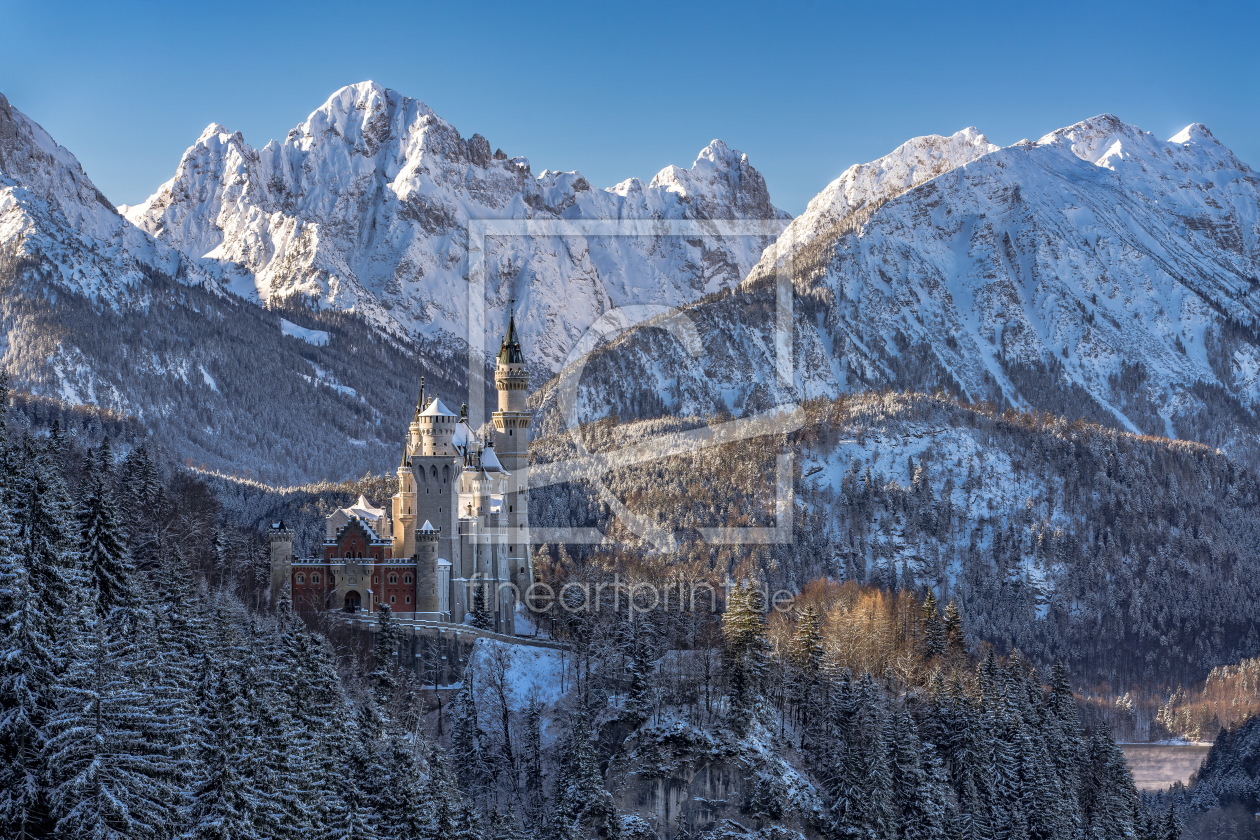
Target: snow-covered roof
427	526
365	509
442	561
490	461
437	408
462	435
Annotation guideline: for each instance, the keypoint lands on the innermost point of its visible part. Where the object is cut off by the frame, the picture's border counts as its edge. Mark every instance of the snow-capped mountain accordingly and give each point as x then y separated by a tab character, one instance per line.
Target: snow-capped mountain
94	311
365	207
1098	272
50	210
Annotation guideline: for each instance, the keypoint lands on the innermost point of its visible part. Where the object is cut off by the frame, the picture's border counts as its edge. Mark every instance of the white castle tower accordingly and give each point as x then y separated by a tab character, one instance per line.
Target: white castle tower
511	446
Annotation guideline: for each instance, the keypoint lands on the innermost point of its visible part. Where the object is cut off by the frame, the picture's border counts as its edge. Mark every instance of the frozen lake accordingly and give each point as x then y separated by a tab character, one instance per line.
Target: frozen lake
1156	766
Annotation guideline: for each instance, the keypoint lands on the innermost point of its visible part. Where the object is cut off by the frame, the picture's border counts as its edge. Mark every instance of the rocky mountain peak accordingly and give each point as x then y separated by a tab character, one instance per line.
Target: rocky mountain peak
366	207
846	203
721	179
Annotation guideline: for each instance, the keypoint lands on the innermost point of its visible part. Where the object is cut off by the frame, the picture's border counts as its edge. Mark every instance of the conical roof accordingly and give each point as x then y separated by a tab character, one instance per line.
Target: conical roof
510	351
437	408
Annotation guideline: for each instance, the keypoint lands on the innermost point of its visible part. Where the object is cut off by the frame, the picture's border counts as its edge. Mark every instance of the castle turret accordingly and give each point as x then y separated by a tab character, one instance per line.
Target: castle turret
405	509
511	446
426	541
280	540
437	425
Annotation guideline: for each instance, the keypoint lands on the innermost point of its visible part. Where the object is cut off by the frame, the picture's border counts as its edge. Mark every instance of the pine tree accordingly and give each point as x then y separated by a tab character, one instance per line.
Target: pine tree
468	739
745	654
114	746
807	660
1109	799
1172	827
532	762
582	806
918	795
27	680
102	554
439	797
482	618
46	535
401	804
640	666
933	628
955	638
385	656
224	801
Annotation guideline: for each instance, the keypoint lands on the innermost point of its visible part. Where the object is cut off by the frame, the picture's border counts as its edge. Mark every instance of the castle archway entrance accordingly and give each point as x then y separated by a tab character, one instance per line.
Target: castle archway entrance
353	602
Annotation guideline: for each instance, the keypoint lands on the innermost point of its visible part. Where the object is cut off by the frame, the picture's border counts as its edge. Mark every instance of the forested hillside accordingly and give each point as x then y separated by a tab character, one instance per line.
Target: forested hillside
1133	559
1224	796
143	694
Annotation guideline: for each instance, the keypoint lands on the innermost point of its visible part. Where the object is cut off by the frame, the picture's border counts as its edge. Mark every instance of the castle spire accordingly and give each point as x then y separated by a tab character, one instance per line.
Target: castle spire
510	351
420	398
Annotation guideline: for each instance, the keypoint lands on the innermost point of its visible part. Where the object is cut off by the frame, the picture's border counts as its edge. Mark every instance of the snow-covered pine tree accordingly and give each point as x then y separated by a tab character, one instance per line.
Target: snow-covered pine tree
400	801
933	628
27	682
746	650
46	535
640	658
1109	799
955	637
468	739
224	801
582	806
114	747
141	486
385	656
482	618
440	800
918	791
806	658
101	550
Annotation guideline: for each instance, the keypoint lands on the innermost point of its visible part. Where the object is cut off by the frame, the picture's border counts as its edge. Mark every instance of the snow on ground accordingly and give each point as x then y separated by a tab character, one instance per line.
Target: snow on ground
531	673
318	338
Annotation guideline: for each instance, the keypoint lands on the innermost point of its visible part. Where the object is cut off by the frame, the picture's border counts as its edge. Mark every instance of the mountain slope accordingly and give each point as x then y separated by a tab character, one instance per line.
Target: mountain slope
1097	273
50	210
1134	560
95	311
365	207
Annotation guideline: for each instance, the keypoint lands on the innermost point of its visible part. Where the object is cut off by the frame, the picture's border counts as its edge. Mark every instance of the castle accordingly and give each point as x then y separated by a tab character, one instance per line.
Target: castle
455	541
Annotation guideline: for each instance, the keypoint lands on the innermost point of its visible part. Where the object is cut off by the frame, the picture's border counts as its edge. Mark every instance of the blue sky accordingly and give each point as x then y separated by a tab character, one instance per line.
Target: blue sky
622	89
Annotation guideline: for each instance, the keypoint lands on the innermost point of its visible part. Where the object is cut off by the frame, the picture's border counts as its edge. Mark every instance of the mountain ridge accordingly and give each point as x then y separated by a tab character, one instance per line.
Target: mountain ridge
365	205
1098	273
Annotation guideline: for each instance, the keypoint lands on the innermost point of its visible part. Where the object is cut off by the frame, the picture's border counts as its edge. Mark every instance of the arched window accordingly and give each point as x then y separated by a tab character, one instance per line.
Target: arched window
392	599
315	577
376	578
393	578
301	578
446	473
408	599
435	472
406	578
